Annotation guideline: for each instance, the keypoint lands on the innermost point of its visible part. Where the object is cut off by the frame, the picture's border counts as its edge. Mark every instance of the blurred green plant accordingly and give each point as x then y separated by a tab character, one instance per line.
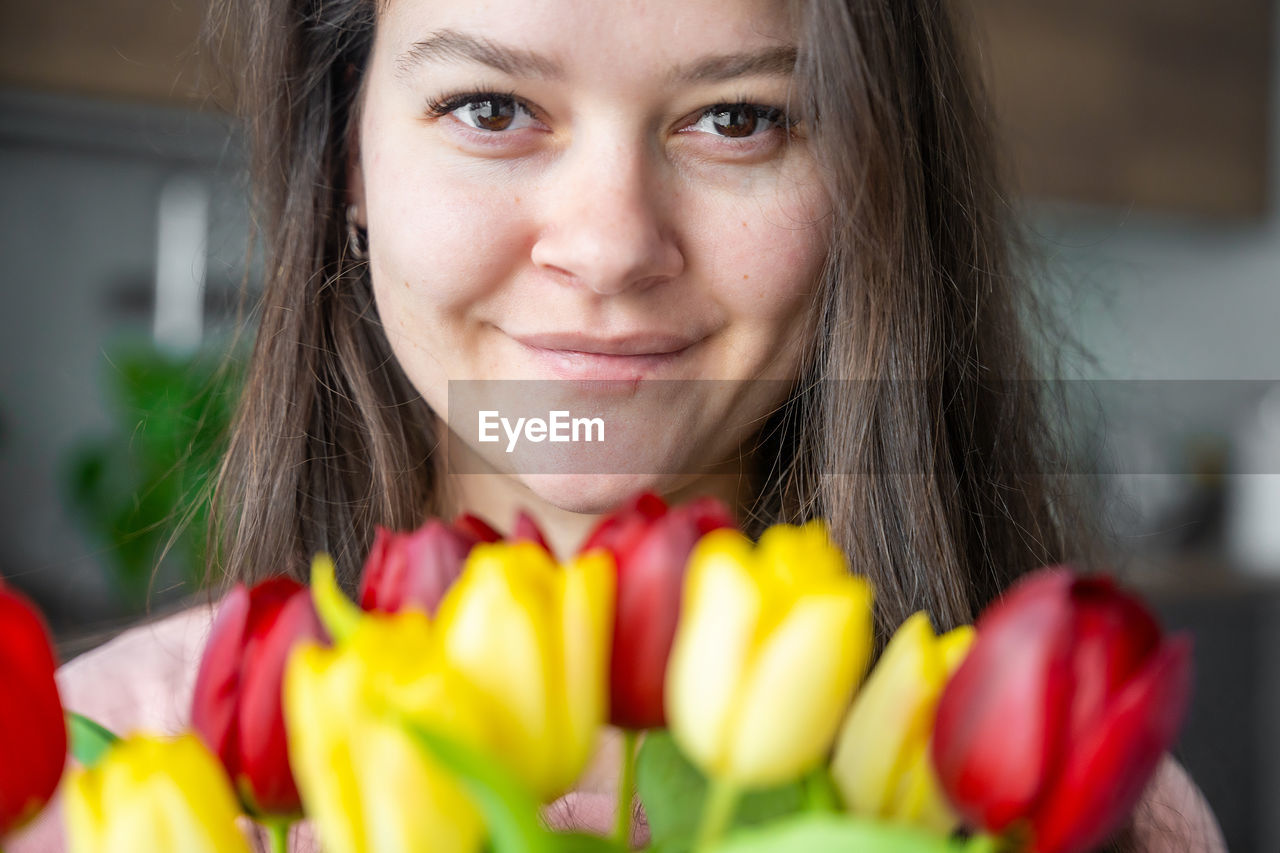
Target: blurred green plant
134	487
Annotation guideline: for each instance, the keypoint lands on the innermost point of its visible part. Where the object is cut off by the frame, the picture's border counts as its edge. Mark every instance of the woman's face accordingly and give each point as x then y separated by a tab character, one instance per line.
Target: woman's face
590	197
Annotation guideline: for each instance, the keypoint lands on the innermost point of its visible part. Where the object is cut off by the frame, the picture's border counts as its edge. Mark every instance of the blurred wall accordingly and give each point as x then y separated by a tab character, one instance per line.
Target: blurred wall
81	186
1192	302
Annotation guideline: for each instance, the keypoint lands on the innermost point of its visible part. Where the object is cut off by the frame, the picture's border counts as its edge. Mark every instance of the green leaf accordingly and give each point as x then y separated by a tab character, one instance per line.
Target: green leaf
673	792
819	833
87	740
510	812
820	792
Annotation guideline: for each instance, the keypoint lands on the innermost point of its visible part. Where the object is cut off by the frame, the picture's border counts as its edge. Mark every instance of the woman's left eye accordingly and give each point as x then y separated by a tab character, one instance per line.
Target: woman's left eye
740	121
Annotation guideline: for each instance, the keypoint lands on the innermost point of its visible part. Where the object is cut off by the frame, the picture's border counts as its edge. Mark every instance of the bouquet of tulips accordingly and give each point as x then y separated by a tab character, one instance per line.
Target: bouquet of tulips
471	680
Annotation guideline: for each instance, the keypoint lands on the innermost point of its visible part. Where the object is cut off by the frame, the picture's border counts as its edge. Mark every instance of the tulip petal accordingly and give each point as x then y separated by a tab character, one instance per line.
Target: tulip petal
800	684
651	570
648	608
33	733
263	759
476	528
1115	636
527	530
1001	716
217	686
712	647
587	614
619	531
153	794
1110	764
802	556
383	571
82	811
320	688
892	713
407	799
496	630
919	799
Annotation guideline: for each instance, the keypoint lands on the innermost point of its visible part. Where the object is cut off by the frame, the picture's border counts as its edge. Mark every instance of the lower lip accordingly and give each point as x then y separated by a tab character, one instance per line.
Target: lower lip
568	364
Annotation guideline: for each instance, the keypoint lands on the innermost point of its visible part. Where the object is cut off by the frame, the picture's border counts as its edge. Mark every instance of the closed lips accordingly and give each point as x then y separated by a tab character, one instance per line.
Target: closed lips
632	345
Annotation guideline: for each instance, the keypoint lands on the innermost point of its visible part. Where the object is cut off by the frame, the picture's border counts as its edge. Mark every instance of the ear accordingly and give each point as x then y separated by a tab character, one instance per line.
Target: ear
355	178
354	169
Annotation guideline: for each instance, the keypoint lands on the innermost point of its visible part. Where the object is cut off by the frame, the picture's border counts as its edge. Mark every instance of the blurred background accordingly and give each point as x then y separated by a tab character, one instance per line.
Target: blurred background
1144	134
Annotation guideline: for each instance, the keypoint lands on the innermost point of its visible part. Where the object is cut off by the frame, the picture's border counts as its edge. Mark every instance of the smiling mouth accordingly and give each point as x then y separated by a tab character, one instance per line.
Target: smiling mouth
620	359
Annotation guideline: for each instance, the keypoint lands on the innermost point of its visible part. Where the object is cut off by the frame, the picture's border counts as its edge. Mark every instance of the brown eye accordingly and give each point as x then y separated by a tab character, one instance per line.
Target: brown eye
736	121
492	113
741	120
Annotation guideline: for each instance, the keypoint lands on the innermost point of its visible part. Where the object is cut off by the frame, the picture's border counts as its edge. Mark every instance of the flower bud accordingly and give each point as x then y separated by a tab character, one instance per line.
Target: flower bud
150	794
650	546
33	732
1055	722
882	764
772	641
236	704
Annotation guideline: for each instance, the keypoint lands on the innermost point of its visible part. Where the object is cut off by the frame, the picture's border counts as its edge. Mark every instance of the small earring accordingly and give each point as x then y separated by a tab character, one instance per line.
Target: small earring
356	237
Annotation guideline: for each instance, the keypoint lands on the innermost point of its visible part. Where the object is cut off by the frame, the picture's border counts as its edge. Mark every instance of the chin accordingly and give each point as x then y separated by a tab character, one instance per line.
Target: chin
591	494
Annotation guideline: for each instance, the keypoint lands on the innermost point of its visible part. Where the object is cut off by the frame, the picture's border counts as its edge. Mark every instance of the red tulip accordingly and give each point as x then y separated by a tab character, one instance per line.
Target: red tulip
33	731
412	569
527	530
476	528
236	707
650	545
1055	721
417	568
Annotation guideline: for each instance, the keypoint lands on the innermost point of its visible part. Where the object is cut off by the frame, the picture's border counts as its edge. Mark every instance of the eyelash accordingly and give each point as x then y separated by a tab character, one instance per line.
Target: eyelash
448	103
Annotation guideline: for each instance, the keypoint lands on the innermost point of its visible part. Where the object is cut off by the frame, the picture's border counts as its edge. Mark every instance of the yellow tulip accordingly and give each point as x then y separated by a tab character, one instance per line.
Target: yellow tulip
771	644
366	783
882	765
151	793
533	638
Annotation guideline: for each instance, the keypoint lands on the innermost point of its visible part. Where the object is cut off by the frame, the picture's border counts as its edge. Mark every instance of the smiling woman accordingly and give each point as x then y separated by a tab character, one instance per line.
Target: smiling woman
621	203
767	237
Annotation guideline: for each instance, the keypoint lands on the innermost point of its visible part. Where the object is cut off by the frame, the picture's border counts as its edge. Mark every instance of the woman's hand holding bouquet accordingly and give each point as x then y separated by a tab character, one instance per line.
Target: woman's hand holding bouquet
473	680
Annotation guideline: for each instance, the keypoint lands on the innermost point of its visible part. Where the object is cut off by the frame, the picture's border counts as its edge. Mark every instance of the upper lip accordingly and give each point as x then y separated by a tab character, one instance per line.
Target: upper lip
642	343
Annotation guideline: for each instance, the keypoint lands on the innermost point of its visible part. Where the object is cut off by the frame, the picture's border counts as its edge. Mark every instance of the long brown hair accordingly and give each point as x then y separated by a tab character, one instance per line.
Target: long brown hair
916	431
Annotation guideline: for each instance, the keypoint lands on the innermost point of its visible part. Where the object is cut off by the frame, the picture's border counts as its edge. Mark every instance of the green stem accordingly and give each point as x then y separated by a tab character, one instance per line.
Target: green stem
277	835
626	789
717	811
982	843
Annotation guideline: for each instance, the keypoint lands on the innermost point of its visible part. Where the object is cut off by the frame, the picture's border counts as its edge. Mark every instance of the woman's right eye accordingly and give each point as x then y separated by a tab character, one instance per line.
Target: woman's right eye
490	112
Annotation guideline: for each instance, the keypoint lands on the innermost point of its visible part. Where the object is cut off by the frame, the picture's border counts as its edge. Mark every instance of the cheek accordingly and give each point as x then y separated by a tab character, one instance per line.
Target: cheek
442	246
771	252
448	238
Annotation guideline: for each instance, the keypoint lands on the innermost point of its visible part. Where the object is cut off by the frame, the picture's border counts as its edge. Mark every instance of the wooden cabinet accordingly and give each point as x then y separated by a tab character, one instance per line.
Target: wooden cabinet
1154	103
137	50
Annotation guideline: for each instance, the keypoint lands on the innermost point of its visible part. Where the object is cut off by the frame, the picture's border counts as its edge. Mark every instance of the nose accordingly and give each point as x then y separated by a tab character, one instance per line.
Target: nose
605	227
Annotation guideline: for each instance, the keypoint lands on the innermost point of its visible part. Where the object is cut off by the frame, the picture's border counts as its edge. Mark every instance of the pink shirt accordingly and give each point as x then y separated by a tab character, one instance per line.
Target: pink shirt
144	678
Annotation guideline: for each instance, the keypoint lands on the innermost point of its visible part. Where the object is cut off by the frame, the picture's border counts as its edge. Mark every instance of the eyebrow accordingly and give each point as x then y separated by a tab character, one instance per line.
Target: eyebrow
445	45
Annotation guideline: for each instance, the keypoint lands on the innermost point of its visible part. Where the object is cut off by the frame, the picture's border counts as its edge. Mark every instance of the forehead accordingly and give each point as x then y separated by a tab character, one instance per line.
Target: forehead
589	40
